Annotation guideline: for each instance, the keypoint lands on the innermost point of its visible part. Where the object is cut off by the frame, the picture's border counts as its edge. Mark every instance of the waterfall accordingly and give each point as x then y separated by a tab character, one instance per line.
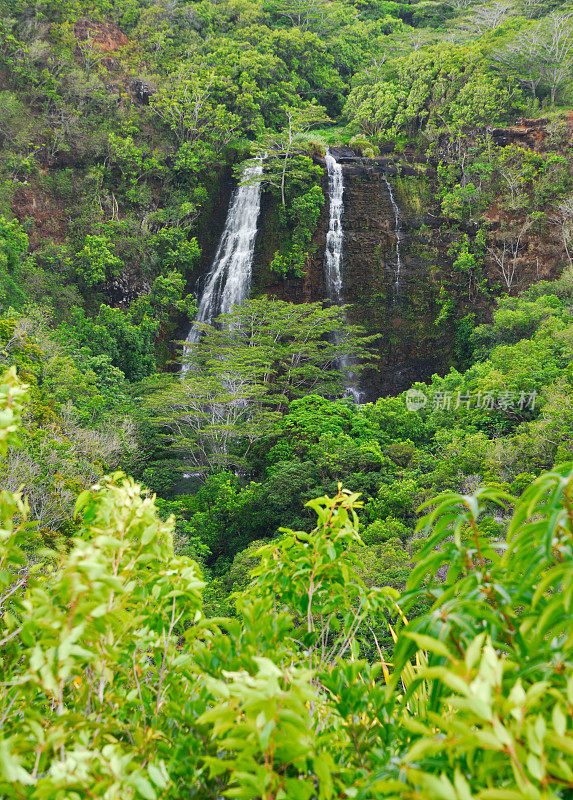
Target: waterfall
228	282
334	237
333	257
397	232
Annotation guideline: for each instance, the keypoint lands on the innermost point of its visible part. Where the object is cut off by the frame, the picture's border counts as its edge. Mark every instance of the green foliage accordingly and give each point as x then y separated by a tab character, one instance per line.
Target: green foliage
463	202
505	415
115	683
242	374
273	724
13	244
13	251
284	163
301	218
385	530
173	249
530	179
77	426
223	515
310	576
12	397
96	261
400	499
539	53
516	319
518	167
114	157
498	644
440	86
167	293
101	628
125	337
469	257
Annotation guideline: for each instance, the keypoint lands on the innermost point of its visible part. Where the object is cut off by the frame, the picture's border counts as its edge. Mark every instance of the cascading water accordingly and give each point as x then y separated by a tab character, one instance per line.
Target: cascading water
335	235
229	281
397	233
333	255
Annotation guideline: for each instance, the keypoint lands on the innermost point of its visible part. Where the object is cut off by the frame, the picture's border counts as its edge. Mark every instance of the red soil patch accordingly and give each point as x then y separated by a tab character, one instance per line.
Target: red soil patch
48	215
104	36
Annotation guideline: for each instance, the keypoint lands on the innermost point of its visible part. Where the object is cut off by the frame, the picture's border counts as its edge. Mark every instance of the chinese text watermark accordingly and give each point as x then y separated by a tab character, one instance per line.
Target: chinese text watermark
506	400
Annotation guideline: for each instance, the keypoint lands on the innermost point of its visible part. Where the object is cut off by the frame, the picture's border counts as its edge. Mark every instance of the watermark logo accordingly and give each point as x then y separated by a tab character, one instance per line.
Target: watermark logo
504	400
415	400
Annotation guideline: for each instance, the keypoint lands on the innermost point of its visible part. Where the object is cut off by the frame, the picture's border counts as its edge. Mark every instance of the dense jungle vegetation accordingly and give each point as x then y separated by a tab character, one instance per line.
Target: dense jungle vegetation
209	628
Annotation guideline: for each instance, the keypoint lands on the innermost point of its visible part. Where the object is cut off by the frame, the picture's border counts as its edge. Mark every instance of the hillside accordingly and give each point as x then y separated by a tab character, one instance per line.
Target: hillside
259	252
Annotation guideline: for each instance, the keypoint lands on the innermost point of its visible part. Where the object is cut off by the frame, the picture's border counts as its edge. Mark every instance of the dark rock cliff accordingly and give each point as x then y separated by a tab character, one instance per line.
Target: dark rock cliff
403	306
388	286
399	306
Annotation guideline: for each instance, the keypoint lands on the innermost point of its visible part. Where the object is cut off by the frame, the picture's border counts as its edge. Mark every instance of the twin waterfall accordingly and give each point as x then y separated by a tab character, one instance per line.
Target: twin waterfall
228	283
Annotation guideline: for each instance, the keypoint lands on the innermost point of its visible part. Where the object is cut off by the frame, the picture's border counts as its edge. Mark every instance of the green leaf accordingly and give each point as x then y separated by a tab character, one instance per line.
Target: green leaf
143	786
429	643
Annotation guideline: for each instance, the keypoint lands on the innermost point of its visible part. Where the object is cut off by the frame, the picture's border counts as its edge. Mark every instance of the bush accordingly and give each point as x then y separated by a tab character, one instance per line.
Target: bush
114	684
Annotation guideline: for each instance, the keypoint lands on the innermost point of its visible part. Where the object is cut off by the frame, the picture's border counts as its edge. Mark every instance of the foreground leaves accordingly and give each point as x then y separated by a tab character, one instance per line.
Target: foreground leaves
114	685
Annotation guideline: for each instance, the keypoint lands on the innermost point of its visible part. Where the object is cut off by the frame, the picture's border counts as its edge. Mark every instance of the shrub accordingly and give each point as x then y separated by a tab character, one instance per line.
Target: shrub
114	684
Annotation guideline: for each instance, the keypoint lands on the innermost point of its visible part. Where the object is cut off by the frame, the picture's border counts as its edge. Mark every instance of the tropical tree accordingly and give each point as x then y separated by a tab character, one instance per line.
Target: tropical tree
190	108
280	149
290	349
244	371
97	260
541	55
499	641
13	252
442	86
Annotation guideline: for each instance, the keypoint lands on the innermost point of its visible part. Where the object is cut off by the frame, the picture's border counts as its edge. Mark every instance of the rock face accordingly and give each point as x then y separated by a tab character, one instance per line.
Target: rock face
399	277
49	216
105	36
526	132
402	306
390	289
308	289
141	91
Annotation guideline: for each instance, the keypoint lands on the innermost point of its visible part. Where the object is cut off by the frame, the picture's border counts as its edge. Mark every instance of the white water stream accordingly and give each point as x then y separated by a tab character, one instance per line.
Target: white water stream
335	235
333	257
228	283
398	233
